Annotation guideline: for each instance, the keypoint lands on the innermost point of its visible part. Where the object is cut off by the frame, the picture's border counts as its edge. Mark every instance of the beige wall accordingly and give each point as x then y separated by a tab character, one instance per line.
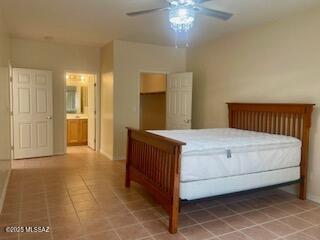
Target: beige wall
277	62
58	58
5	143
106	146
130	59
121	65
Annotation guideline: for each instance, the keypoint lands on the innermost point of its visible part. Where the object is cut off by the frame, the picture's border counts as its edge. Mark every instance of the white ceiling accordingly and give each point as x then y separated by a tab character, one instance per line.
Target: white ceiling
96	22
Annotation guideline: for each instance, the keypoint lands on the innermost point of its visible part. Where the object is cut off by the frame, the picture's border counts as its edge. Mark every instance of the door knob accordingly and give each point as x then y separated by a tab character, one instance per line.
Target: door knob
187	121
49	117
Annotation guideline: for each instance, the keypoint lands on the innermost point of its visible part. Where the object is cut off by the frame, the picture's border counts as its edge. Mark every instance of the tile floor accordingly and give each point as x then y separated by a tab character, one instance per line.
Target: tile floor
81	196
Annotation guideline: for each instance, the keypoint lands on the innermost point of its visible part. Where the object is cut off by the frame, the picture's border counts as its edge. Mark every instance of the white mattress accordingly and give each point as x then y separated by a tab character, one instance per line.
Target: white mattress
220	186
225	152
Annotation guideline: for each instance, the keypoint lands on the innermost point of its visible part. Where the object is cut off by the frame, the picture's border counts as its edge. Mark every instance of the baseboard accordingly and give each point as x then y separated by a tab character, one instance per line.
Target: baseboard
314	198
106	154
295	191
4	191
115	158
119	158
59	153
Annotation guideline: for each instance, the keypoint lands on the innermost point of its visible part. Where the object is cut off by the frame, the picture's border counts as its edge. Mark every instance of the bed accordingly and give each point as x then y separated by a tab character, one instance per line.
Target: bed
265	145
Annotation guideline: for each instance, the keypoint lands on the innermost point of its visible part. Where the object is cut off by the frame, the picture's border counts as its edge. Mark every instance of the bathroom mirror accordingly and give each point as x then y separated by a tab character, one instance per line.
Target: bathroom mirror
77	99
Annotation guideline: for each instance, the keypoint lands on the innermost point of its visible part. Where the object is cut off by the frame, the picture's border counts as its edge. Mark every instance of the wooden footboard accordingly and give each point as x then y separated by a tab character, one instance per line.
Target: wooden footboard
154	162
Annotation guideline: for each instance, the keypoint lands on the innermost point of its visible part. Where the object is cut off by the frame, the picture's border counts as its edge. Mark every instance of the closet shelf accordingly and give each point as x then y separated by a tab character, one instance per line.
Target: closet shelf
145	93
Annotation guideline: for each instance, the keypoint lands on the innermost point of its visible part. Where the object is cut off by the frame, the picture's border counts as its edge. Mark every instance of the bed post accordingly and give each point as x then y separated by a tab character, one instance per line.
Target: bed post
128	180
230	115
175	175
305	152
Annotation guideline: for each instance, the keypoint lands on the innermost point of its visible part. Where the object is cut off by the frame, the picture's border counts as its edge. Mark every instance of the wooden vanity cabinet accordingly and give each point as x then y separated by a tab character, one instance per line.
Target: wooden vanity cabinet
77	132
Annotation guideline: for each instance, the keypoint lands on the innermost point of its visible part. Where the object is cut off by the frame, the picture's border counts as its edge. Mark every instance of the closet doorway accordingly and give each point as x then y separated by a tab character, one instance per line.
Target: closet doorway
153	101
165	101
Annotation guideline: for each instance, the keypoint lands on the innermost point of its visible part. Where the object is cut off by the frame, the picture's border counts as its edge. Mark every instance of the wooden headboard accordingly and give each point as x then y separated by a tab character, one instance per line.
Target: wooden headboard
283	119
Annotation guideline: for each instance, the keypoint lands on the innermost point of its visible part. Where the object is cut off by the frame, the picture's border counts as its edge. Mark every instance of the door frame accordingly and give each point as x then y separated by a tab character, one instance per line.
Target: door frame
138	90
97	106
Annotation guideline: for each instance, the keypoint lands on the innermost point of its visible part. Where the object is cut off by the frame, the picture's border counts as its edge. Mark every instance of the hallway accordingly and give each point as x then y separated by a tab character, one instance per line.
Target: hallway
81	195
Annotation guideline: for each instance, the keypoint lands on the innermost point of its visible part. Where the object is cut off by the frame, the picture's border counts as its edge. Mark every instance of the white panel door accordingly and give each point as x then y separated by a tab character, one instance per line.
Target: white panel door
91	114
32	113
179	101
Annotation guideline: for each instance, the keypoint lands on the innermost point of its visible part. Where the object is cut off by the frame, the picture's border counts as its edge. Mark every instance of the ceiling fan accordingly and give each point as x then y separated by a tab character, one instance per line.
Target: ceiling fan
182	13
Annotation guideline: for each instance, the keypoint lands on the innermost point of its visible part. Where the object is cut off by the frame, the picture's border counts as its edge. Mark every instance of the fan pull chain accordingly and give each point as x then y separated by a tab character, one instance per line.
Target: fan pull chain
176	40
187	39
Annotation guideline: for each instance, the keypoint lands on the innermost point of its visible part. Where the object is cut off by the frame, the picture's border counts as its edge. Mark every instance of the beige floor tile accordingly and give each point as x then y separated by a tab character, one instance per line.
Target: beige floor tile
274	212
257	217
218	227
168	236
201	216
196	233
132	232
306	205
299	236
240	207
185	220
238	222
122	220
221	211
147	214
258	233
296	223
108	235
313	232
311	217
289	208
279	228
82	195
234	236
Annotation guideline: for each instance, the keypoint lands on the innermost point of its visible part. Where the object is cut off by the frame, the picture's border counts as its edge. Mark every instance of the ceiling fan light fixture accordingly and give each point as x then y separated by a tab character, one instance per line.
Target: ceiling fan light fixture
181	18
182	2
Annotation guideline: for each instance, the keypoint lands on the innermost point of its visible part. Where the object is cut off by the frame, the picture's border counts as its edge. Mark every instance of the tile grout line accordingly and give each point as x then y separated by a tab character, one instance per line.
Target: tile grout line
67	190
48	211
112	229
132	213
86	235
20	206
254	224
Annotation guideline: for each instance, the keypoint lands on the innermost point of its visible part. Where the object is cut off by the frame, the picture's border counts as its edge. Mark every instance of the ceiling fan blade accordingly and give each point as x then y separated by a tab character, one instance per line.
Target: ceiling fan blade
195	1
214	13
147	11
201	1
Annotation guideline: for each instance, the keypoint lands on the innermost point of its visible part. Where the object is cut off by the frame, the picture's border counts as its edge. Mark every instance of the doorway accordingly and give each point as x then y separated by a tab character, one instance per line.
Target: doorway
153	101
165	101
80	107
